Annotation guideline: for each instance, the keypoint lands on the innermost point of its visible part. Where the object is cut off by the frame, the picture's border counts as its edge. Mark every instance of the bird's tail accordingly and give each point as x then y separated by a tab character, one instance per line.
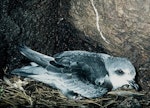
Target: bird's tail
39	58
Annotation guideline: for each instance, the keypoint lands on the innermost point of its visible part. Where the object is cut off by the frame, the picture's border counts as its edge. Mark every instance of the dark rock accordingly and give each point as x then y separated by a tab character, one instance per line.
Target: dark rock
42	25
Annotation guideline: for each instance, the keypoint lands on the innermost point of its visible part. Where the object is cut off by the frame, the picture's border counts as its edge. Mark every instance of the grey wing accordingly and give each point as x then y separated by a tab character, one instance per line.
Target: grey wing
75	65
66	83
85	64
88	66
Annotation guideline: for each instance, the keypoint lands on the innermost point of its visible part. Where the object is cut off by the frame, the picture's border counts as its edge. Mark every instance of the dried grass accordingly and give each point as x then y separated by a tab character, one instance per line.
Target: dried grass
36	94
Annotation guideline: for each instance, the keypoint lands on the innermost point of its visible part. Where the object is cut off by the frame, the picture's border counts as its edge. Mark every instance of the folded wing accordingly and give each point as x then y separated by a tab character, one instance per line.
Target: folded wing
71	71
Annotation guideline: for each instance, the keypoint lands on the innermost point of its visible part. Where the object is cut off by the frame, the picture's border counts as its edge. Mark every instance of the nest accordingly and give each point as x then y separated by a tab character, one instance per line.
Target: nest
14	92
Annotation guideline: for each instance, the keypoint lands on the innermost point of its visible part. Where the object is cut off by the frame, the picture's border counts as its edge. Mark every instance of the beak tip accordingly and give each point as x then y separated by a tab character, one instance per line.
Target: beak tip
134	85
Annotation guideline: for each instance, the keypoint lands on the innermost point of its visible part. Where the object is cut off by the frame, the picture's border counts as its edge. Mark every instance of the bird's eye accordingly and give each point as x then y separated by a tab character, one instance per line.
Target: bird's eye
119	72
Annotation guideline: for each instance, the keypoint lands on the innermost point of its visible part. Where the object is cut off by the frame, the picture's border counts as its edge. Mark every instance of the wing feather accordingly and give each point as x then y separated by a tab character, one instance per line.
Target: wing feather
61	81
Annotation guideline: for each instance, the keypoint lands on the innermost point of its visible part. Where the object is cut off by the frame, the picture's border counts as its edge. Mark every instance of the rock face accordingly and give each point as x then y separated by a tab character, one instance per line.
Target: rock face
41	25
123	27
117	27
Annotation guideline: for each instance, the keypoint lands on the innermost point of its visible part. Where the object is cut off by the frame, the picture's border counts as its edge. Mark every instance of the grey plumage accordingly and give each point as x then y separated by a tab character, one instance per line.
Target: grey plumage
76	73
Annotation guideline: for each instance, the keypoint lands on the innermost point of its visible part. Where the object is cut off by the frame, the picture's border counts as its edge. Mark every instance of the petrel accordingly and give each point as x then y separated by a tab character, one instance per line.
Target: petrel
79	73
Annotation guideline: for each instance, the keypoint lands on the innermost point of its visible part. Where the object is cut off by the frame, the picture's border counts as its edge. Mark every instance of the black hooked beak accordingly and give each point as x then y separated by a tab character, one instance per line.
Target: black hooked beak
134	85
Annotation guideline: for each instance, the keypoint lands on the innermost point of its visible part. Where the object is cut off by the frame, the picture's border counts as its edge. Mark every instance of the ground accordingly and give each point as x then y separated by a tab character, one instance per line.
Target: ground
22	92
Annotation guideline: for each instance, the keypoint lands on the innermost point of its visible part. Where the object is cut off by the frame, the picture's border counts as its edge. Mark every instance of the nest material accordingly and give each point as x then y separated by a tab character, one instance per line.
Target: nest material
36	94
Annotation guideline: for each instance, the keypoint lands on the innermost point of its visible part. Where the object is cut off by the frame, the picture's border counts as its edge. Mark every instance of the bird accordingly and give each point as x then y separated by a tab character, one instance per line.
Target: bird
78	73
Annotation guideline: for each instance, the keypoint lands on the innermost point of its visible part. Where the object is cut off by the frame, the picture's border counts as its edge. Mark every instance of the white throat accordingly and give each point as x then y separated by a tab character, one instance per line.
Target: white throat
117	82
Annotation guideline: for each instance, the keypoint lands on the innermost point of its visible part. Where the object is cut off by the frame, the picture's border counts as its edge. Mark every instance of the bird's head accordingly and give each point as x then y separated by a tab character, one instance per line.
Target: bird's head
121	72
